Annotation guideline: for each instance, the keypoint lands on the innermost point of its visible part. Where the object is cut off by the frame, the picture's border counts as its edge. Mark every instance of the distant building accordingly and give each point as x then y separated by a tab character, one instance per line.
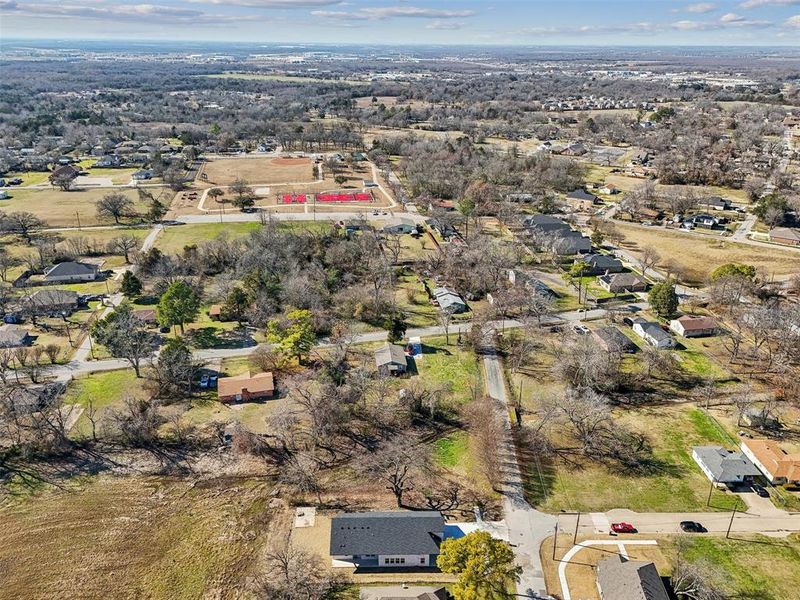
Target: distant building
600	264
449	301
70	171
777	465
12	336
246	387
652	333
716	203
723	466
620	283
391	360
785	235
535	285
403	540
613	340
581	200
71	272
691	326
399	225
621	579
53	303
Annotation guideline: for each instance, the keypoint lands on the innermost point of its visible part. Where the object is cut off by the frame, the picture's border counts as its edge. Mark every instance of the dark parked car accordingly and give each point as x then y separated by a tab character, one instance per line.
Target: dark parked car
692	527
760	490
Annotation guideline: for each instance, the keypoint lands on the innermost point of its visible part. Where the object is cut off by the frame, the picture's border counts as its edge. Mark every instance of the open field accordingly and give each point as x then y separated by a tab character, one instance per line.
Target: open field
102	391
675	483
67	209
224	171
699	255
389	101
173	239
137	537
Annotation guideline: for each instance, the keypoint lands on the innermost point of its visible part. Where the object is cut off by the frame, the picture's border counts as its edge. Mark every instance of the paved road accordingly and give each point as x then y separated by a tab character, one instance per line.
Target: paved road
240	217
527	527
771	521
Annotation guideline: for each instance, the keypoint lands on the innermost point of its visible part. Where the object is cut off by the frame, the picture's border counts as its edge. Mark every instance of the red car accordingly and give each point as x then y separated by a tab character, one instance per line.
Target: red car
623	528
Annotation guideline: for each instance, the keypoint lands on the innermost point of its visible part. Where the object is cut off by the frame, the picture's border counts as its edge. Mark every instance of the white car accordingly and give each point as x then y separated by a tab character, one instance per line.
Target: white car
580	329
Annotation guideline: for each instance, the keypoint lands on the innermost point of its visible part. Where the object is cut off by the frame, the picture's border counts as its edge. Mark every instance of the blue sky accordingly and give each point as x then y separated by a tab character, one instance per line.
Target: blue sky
527	22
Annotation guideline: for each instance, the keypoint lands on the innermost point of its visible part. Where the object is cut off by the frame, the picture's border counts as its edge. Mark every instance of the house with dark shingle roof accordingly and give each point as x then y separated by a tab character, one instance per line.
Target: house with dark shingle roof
619	283
722	466
12	336
580	199
613	340
621	579
391	360
387	539
51	303
600	264
71	272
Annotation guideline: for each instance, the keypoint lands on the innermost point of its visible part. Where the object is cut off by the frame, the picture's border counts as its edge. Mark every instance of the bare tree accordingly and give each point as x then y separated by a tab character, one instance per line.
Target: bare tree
649	260
395	464
124	245
114	205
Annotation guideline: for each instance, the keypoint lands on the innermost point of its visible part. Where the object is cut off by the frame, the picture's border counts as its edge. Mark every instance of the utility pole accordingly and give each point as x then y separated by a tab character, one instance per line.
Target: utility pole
730	524
710	490
555	540
577	523
78	216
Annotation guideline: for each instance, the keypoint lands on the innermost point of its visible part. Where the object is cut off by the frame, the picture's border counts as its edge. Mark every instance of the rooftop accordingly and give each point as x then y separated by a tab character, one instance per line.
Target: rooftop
779	462
725	465
417	532
622	579
254	384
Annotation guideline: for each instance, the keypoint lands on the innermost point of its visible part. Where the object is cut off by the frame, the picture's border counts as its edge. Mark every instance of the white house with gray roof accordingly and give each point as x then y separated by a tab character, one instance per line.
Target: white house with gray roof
398	539
651	332
723	466
70	272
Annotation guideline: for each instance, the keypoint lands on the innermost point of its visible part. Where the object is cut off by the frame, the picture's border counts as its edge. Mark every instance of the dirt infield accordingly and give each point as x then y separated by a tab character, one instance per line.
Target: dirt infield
260	170
290	161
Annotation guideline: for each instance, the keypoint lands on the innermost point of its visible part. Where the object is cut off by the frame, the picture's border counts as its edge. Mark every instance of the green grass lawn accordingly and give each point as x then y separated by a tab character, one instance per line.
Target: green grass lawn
29	177
449	451
448	365
677	484
749	567
696	361
103	390
174	239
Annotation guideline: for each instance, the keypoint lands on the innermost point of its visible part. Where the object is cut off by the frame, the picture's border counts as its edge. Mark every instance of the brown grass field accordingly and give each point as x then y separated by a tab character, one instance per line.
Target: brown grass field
137	537
224	171
65	209
699	256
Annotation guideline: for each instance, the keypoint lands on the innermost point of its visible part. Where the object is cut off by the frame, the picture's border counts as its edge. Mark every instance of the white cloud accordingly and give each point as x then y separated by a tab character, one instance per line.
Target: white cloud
757	3
793	22
444	25
270	3
120	12
390	12
701	8
731	18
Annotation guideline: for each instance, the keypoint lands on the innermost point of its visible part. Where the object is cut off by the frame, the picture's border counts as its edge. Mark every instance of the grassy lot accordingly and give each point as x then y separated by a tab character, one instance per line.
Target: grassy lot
450	451
676	484
65	209
103	390
746	567
451	367
224	171
699	255
173	239
29	177
138	537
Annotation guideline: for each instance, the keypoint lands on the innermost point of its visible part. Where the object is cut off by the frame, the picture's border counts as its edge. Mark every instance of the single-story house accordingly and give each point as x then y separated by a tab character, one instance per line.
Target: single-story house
142	175
613	340
520	197
12	336
215	312
692	326
716	203
702	220
785	235
70	171
609	189
652	333
399	225
110	160
600	264
582	200
619	578
445	205
404	592
449	301
777	465
391	360
445	229
569	242
146	315
620	283
71	272
535	285
387	539
51	303
246	387
724	466
575	149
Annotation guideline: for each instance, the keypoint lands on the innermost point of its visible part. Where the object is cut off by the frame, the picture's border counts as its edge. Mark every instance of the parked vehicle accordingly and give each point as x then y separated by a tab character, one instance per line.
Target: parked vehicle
623	528
760	490
204	381
580	329
628	321
212	381
692	527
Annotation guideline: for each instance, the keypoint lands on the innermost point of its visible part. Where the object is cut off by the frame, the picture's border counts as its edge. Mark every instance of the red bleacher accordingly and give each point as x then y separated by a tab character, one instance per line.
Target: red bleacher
294	198
344	197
